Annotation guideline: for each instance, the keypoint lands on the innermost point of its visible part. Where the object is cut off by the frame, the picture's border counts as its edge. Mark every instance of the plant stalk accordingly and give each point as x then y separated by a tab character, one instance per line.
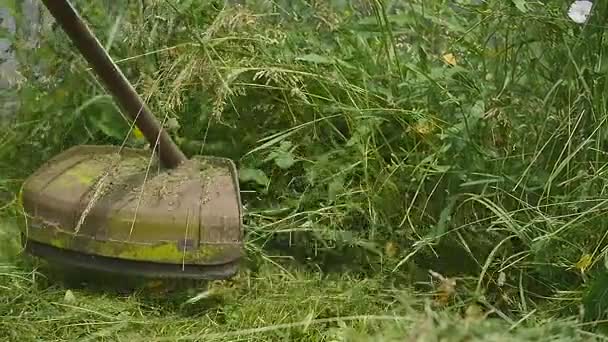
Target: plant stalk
116	83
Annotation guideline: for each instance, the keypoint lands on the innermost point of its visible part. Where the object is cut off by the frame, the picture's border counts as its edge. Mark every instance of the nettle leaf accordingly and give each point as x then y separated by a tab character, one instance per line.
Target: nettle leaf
283	156
478	110
285	145
473	115
109	125
254	175
284	160
109	129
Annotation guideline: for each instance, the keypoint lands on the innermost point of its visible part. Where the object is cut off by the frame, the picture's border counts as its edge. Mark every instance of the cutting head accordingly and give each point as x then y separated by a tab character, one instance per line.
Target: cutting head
95	208
105	208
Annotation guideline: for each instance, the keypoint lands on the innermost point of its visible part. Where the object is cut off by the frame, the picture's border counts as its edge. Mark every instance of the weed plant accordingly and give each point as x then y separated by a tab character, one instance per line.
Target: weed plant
385	148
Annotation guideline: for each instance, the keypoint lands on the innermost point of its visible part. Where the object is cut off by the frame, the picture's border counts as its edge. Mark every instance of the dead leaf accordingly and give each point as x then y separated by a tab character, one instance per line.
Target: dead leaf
446	289
473	313
422	127
391	249
449	59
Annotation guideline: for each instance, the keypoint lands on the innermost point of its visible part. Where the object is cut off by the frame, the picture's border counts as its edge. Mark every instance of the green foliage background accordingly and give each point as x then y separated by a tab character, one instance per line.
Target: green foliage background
360	149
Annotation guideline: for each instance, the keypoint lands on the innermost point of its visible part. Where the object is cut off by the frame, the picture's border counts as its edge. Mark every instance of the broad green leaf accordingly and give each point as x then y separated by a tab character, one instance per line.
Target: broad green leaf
521	5
444	219
478	110
108	121
109	129
253	175
345	64
314	58
5	33
284	160
285	145
334	189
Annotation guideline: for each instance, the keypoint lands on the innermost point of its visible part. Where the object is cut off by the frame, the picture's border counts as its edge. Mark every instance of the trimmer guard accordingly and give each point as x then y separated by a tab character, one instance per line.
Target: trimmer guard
104	208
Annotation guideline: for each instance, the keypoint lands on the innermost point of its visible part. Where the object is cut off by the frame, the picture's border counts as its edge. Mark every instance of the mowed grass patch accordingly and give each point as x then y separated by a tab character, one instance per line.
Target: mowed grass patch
269	304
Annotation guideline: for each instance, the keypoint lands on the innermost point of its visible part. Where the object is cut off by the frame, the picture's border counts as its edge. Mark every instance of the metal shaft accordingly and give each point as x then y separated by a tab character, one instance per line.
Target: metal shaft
72	24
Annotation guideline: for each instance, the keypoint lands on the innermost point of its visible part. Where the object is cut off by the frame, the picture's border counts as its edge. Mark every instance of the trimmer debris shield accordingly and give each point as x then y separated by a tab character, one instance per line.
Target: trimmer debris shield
95	209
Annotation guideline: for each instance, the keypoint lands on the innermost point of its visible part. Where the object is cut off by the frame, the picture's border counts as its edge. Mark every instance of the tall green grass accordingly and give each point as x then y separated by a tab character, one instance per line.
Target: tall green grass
381	138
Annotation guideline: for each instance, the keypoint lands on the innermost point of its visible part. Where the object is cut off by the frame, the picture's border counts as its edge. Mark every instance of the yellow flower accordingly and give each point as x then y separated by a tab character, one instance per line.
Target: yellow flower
584	262
137	133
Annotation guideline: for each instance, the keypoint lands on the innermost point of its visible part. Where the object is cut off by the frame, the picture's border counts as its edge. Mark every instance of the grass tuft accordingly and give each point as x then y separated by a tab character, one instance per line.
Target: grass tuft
422	170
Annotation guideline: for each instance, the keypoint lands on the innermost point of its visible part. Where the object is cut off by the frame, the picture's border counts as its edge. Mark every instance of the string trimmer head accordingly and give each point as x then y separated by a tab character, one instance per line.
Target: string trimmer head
122	210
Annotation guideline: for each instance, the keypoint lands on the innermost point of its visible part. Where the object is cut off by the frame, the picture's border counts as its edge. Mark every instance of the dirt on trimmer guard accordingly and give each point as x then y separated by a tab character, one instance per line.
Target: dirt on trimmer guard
91	209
